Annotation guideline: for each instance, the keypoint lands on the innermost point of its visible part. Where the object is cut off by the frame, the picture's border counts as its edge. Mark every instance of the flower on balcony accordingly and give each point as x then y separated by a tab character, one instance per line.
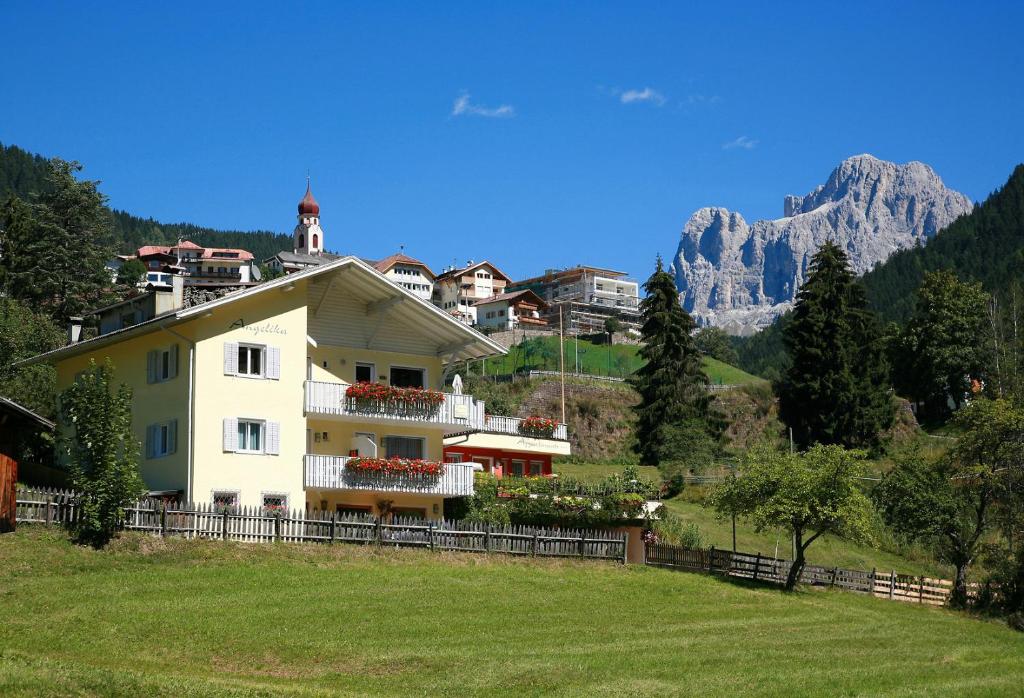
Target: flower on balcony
538	426
395	466
387	398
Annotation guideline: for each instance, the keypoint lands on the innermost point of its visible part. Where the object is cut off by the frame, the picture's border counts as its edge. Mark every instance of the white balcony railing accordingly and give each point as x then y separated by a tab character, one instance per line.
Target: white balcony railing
457	411
330	473
510	425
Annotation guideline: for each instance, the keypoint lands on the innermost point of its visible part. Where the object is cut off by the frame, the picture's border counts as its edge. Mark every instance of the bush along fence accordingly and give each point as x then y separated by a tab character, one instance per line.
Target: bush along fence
770	570
255	524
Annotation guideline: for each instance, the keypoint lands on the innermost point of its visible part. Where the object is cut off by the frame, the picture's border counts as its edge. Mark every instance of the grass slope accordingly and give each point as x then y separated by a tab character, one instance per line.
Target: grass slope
211	618
617	360
827	550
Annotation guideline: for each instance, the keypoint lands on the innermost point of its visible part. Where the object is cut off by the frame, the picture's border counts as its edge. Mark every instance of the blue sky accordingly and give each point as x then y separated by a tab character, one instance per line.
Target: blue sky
533	134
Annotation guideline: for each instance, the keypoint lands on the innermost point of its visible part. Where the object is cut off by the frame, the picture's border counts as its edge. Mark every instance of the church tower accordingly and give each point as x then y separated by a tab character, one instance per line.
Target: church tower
308	237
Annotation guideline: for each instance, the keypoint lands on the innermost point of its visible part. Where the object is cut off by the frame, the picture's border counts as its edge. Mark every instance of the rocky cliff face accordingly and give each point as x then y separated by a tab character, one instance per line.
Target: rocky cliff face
741	277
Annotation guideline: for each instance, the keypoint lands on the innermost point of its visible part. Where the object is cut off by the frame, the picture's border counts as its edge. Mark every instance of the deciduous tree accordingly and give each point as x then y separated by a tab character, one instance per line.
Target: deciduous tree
809	494
103	455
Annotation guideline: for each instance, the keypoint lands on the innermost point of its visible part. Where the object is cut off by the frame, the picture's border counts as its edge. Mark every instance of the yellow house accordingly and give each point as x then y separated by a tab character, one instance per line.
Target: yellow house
243	400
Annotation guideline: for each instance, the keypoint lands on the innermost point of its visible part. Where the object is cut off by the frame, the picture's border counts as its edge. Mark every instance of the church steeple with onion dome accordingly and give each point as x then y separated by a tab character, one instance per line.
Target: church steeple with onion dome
308	236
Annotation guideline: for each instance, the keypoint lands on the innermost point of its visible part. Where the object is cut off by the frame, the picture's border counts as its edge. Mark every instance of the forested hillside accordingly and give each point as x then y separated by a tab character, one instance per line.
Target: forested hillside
986	245
24	174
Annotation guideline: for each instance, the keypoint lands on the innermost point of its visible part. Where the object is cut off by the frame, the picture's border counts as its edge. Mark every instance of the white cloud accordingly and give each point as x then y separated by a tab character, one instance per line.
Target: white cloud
645	95
744	142
464	107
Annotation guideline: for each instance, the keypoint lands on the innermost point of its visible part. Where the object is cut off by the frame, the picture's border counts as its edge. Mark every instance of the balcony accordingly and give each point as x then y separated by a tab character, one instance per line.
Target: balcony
456	413
510	425
329	473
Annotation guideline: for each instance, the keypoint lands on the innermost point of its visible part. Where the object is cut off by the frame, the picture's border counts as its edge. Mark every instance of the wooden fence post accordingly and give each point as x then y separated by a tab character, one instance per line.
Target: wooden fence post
430	534
835	571
757	565
535	536
334	532
163	519
920	590
892	584
711	560
487	539
49	514
871	582
625	549
277	527
224	524
380	530
583	542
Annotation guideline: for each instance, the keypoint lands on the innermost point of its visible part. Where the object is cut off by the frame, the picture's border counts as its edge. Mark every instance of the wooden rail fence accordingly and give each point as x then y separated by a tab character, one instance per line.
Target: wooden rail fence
254	524
888	585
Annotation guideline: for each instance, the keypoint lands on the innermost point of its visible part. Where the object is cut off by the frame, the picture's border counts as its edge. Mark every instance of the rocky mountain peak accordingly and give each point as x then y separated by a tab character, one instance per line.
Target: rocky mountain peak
741	277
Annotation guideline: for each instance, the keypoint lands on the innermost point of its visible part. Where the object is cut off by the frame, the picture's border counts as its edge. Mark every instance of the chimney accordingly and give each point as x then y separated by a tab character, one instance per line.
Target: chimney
75	330
178	291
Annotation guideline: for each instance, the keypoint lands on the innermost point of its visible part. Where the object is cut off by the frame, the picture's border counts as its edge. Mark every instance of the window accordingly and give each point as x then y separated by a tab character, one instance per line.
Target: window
316	240
365	373
161	439
518	468
225	501
536	467
454	458
162	364
273	503
250	360
408	377
250	436
403	447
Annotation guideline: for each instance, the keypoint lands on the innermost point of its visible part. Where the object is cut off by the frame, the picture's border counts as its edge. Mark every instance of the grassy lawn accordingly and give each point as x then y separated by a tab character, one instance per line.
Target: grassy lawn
827	550
619	360
592	472
150	617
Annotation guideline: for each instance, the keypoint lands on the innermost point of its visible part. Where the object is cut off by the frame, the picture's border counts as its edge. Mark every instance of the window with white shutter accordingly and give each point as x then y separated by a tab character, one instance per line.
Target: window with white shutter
230	359
272	444
162	364
151	360
273	363
230	434
162	439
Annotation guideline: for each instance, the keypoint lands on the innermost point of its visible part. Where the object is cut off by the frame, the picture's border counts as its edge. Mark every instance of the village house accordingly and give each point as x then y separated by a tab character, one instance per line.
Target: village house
510	311
457	290
201	266
585	297
510	446
248	399
408	273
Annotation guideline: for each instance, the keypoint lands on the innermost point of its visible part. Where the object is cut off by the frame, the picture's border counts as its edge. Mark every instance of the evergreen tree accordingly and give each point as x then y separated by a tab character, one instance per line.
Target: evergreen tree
55	249
673	388
836	388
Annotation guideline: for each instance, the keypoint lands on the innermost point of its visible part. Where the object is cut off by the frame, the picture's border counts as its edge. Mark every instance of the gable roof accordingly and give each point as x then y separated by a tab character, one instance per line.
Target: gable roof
303	257
467	343
390	261
210	252
525	294
462	272
11	407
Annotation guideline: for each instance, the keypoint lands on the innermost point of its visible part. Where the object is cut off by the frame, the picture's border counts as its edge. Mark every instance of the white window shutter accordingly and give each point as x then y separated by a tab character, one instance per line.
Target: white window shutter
230	359
173	370
273	440
151	361
230	434
274	363
172	436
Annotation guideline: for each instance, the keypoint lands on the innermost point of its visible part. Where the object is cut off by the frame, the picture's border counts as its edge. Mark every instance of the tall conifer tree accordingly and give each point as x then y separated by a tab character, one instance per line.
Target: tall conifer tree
836	388
673	388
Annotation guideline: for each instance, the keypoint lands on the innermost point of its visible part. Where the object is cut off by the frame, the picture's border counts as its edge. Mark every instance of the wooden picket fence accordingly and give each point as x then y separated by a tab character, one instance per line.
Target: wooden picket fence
254	525
759	568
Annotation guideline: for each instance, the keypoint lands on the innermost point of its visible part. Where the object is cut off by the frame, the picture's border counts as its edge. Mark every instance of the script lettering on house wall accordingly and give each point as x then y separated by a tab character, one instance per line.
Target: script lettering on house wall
258	329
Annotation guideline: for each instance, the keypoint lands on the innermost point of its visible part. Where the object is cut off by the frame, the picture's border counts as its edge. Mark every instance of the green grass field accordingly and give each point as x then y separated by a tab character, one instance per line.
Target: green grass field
618	360
827	550
173	618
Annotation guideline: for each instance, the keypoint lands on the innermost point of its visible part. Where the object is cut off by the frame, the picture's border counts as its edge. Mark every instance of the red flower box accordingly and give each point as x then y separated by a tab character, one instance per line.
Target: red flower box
395	466
538	426
376	397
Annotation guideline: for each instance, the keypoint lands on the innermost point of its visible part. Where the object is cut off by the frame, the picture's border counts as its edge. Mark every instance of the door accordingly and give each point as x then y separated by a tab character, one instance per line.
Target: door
486	461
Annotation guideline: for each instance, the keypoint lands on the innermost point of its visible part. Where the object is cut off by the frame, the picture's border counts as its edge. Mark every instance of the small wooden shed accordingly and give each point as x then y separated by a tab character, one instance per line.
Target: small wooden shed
16	424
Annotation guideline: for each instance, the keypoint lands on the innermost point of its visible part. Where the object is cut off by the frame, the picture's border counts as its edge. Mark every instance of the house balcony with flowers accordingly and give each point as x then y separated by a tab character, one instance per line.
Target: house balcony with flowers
404	475
375	402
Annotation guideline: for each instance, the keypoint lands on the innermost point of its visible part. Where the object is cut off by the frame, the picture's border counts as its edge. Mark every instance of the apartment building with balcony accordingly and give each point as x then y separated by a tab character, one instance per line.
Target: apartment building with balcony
457	290
249	399
200	266
585	297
